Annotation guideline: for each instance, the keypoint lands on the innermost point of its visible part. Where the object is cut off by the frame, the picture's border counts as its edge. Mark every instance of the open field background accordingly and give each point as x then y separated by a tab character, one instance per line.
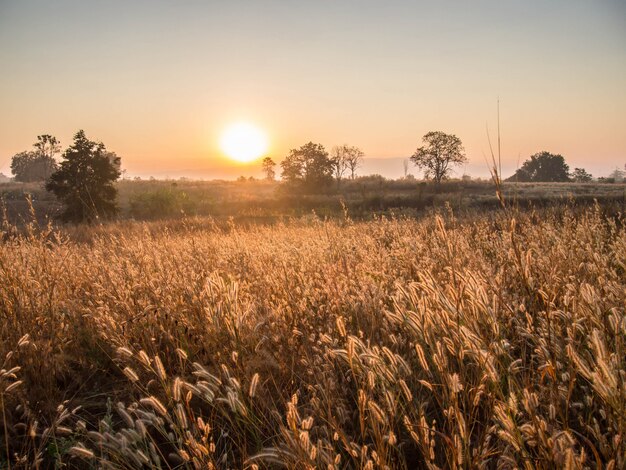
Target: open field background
266	202
494	339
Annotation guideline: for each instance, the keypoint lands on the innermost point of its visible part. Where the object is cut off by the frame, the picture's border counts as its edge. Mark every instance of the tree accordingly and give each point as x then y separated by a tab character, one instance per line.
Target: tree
542	167
47	145
346	157
84	181
340	164
268	168
309	166
352	157
38	164
438	155
617	175
580	175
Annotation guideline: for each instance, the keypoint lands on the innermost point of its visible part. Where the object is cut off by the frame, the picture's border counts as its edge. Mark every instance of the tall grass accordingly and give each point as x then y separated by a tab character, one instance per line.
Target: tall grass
483	341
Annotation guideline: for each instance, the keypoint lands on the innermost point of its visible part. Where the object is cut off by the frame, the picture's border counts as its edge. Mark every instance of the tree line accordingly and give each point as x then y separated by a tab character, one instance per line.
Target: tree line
312	167
84	180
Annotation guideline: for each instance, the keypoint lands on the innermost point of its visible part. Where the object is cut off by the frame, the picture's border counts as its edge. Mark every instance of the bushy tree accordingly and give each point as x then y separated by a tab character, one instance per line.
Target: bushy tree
580	175
84	181
268	168
38	164
542	167
440	152
309	167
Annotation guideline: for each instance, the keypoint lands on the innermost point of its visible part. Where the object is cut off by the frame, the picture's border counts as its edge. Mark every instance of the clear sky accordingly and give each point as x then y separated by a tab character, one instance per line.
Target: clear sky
159	81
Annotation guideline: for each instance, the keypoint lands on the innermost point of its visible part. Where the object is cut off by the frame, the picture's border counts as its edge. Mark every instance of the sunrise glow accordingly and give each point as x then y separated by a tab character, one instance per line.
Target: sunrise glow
244	142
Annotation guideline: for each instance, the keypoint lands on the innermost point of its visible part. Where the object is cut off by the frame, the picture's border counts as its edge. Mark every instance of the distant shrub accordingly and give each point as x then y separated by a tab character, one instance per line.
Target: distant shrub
160	203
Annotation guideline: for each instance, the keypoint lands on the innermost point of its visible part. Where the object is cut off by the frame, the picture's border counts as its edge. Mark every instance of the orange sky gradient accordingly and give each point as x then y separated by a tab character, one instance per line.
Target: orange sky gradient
158	82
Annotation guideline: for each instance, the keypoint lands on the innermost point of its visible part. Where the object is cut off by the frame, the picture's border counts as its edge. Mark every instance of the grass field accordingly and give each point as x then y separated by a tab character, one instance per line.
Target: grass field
252	202
493	339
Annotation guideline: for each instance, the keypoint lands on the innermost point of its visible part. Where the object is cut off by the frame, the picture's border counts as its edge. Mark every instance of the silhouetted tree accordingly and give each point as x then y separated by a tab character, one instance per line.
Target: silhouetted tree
542	167
580	175
84	181
353	158
340	164
47	145
616	176
268	168
309	166
438	155
38	164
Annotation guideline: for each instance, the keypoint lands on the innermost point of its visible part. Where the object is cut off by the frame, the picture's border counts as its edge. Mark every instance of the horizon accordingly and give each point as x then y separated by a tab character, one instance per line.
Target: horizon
159	82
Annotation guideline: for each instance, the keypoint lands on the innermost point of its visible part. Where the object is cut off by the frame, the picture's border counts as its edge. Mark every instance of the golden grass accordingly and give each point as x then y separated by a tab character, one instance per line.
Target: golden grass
439	343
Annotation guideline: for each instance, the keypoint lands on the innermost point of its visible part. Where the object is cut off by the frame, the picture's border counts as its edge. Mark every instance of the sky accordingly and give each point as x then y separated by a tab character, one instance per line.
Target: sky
159	81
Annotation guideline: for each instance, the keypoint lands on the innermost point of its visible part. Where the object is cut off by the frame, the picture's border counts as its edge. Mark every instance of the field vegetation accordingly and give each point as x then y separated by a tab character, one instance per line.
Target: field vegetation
260	201
492	339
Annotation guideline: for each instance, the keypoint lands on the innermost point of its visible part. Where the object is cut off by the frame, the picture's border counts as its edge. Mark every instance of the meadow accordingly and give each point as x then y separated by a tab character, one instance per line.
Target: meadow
250	202
477	339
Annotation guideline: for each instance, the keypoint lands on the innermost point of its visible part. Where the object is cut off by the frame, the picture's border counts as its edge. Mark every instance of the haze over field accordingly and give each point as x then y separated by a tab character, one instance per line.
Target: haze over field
158	82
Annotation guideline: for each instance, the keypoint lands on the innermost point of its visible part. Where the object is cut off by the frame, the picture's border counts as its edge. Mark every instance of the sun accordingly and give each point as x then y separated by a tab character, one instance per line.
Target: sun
243	142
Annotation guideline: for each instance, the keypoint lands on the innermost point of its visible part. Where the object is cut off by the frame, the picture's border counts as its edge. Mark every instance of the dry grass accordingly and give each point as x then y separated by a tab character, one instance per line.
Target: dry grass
493	341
